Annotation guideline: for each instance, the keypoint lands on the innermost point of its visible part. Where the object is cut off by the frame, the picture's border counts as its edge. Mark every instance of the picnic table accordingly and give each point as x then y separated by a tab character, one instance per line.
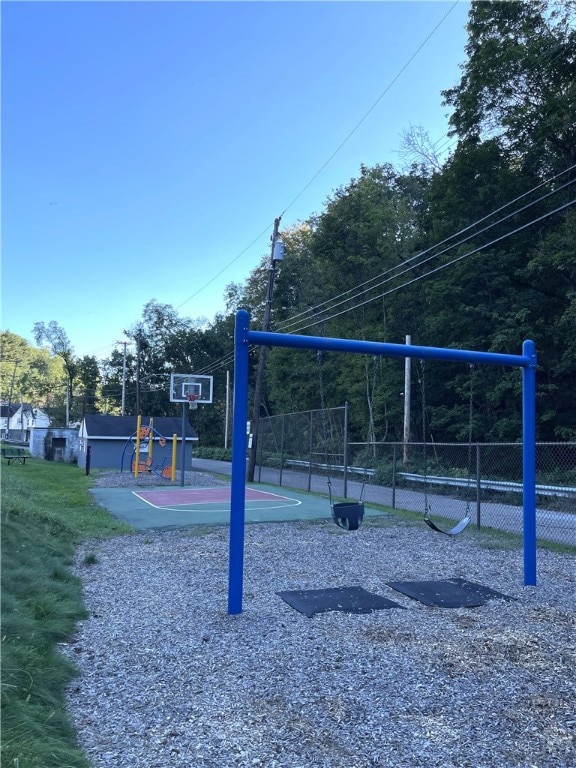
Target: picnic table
15	454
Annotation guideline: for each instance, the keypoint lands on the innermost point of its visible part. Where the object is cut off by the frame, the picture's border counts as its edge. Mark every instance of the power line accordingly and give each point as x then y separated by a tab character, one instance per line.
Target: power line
433	271
331	157
425	261
378	100
444	266
372	283
216	276
228	359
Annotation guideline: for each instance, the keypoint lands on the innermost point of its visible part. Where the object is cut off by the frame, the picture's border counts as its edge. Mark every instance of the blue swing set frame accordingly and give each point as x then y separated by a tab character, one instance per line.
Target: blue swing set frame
244	337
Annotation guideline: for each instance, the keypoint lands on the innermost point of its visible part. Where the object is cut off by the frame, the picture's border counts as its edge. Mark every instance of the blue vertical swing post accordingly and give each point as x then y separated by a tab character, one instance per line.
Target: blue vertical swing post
243	337
529	462
238	489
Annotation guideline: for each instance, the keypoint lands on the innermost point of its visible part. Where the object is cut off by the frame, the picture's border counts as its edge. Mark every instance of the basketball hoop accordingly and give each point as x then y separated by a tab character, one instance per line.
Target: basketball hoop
184	384
193	400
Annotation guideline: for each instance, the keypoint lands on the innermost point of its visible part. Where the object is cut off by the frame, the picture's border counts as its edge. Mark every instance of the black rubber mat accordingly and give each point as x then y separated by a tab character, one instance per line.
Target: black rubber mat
345	599
451	593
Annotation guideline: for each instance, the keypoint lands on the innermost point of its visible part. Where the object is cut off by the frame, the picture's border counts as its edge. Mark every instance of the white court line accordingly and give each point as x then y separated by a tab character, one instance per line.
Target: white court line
198	508
199	505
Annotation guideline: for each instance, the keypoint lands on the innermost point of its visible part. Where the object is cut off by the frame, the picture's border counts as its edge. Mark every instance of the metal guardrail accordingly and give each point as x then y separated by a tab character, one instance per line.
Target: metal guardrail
491	485
454	482
330	467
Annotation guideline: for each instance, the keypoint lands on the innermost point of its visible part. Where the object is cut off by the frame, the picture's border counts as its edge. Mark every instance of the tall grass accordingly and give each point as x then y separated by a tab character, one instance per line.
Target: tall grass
46	512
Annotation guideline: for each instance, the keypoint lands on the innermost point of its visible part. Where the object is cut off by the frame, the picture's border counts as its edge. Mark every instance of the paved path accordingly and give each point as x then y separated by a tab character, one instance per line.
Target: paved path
554	526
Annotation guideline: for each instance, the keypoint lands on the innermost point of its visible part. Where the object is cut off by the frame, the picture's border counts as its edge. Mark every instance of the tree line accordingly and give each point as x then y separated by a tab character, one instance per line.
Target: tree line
476	251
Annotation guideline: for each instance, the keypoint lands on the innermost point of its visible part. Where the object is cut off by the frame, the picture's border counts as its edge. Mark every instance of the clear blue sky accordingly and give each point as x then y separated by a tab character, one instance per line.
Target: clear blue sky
145	145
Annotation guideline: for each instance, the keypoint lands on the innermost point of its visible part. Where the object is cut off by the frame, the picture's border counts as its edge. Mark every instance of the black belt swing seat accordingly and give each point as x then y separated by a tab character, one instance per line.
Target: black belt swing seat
458	528
465	521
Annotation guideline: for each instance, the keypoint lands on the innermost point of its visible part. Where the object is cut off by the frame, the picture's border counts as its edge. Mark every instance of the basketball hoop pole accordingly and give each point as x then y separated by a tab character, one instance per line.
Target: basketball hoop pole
183	456
192	403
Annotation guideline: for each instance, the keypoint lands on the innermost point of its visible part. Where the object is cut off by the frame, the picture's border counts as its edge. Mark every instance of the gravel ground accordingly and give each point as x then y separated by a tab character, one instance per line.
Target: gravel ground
127	480
168	679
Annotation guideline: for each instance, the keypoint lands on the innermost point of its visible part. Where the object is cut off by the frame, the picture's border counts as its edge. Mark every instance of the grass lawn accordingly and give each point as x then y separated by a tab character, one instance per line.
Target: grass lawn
46	512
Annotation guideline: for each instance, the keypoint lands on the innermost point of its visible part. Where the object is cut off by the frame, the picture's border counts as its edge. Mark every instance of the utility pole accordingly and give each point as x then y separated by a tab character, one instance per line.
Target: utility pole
123	379
276	254
138	340
227	411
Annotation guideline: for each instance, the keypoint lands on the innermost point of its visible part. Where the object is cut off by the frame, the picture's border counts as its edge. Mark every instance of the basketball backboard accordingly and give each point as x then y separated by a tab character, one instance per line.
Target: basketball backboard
187	386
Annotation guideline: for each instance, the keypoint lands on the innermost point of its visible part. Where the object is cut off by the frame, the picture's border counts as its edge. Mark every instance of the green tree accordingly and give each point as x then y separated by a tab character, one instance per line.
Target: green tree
59	344
552	267
514	115
165	343
519	81
112	375
88	377
349	257
32	375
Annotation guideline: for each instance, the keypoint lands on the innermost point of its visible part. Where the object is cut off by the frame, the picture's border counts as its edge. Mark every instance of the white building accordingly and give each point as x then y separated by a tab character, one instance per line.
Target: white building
17	419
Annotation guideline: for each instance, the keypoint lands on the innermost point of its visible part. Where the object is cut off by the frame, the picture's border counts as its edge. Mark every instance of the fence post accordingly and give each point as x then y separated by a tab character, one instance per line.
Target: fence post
346	450
260	448
394	476
281	451
310	453
478	486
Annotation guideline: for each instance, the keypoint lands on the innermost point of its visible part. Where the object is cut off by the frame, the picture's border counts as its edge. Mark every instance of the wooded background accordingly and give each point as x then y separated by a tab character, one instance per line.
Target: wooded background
475	252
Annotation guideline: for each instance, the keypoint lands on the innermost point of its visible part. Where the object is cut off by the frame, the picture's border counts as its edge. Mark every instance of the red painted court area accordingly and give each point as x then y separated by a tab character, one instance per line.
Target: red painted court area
186	496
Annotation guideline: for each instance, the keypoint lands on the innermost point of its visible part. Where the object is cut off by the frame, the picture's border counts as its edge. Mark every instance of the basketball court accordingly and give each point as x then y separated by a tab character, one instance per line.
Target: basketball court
161	508
169	507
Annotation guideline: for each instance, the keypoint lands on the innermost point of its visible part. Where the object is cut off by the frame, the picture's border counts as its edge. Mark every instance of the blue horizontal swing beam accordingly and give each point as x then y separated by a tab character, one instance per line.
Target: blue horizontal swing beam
382	349
244	337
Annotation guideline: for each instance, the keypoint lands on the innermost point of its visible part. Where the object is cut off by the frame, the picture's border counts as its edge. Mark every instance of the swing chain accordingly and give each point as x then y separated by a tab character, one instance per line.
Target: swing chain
421	381
470	430
346	514
462	524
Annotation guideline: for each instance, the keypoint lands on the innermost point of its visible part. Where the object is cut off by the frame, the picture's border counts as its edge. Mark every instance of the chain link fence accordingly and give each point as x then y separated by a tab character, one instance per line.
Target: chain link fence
482	481
299	446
